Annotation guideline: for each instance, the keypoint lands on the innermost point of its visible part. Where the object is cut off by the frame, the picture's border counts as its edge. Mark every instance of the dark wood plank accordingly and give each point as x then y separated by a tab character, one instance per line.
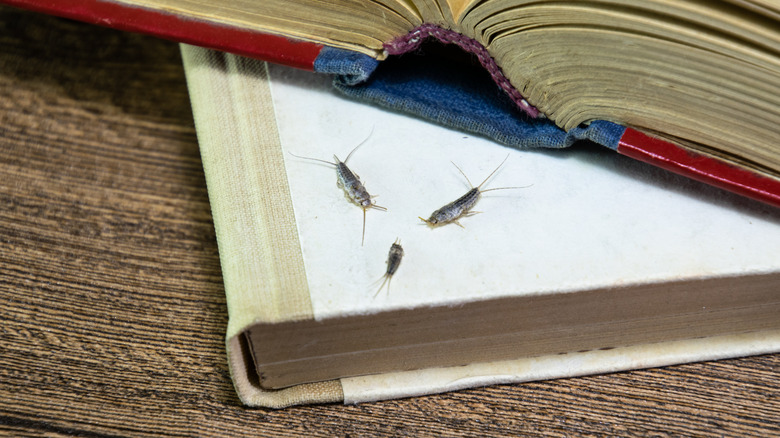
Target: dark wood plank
111	297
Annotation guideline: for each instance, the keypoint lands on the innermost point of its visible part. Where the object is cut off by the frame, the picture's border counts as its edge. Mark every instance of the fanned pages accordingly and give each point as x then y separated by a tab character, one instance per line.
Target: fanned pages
703	75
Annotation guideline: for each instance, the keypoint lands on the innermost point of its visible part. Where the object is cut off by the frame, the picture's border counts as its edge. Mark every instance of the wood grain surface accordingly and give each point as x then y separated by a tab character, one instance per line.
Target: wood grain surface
111	298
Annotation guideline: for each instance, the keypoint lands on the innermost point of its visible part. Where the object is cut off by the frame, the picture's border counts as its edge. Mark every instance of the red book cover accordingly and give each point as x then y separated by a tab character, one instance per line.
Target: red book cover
170	26
669	156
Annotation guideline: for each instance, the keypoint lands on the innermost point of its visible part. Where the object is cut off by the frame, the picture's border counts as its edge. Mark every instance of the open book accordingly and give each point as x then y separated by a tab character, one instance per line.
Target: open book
599	263
702	75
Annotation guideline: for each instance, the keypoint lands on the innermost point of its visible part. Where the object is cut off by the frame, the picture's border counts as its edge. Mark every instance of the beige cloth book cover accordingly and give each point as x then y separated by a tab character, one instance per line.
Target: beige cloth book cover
269	278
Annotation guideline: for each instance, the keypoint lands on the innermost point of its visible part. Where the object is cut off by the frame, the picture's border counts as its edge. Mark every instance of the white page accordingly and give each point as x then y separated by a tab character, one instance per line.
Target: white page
590	219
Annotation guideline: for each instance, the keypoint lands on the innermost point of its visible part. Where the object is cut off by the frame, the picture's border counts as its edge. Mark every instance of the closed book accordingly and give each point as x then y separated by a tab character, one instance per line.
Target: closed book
584	262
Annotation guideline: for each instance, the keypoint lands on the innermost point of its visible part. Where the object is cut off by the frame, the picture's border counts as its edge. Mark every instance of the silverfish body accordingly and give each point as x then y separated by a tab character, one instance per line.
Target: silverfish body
393	261
462	206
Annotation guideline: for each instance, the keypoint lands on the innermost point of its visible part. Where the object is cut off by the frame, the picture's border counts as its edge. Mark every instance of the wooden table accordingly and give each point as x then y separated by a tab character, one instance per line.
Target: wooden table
111	299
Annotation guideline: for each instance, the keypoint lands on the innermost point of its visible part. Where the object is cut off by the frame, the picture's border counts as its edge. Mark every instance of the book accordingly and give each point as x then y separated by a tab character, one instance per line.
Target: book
693	84
598	263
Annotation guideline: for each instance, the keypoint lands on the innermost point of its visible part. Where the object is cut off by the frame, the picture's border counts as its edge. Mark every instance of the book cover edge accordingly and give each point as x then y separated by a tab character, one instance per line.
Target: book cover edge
718	173
403	384
168	25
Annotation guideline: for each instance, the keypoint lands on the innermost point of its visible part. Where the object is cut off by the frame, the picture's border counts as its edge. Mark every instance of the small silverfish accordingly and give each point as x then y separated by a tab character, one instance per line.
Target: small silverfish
462	206
393	260
353	188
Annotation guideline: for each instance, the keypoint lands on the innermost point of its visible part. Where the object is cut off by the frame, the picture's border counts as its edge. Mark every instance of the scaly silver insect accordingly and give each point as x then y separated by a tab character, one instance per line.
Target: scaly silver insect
393	260
462	206
353	188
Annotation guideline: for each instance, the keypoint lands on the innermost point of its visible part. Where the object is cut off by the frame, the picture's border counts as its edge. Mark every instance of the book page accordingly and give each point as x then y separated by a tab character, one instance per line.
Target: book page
457	7
360	26
590	218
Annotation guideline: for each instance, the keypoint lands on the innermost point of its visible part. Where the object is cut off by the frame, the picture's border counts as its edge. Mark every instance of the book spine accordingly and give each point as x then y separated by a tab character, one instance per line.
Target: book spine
168	25
708	170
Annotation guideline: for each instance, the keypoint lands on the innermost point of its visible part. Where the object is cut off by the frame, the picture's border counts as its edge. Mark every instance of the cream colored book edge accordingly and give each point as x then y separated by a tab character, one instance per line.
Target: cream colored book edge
258	243
255	228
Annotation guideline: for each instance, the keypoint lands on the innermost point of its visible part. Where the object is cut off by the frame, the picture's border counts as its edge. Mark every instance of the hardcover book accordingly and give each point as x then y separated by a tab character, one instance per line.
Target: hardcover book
693	85
584	262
